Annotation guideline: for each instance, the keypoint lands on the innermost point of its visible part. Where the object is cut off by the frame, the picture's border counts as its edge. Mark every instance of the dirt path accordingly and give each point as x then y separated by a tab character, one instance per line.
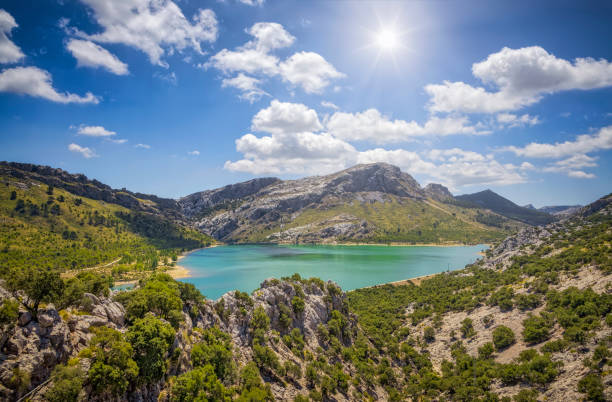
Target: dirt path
73	272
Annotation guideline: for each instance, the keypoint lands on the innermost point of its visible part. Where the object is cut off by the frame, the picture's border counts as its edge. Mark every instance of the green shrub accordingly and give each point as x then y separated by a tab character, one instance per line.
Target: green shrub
429	334
592	386
151	339
9	311
67	384
503	337
467	328
215	349
199	384
486	350
555	346
502	298
536	329
298	304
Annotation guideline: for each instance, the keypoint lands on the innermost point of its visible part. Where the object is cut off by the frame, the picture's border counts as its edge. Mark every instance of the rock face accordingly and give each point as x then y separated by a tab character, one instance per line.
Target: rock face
33	347
227	212
438	192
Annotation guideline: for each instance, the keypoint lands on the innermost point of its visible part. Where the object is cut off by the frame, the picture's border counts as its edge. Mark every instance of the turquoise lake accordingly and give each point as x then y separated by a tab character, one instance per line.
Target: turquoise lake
217	270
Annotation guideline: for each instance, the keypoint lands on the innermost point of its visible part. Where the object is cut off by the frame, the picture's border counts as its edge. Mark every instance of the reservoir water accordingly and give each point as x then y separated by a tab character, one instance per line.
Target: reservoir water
217	270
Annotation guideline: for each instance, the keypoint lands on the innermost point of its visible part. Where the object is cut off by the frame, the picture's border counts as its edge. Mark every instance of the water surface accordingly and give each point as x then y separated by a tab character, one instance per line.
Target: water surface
217	270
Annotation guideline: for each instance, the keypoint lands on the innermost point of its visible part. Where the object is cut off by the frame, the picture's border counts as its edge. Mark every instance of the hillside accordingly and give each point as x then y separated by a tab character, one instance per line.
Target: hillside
46	221
531	321
366	203
560	209
487	199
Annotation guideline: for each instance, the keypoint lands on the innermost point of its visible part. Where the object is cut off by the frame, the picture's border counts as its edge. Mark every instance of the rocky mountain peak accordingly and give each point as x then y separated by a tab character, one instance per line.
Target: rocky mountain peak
438	192
381	177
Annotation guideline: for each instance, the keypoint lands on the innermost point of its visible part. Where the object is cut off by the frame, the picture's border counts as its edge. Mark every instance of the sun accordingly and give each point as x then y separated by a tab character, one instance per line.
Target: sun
387	40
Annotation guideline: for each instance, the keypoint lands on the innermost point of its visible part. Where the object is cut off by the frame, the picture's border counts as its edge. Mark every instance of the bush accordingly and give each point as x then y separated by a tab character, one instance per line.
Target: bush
215	350
555	346
67	384
112	367
429	334
592	385
503	337
486	350
151	339
536	329
467	328
9	311
298	304
198	384
502	298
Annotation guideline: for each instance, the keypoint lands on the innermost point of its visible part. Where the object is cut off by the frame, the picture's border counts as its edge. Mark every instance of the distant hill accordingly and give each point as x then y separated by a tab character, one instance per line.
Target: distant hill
366	203
490	200
560	209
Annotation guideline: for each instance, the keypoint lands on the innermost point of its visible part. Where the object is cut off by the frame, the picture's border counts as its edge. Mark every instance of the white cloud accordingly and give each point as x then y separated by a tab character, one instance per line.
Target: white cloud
194	153
252	2
269	36
156	27
572	166
88	54
37	83
9	52
522	76
119	141
372	125
144	146
84	151
579	174
250	61
285	118
309	70
513	120
249	87
581	145
329	105
95	131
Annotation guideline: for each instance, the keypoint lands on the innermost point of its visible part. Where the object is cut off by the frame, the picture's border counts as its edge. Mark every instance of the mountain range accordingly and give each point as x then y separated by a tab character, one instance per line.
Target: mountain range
372	203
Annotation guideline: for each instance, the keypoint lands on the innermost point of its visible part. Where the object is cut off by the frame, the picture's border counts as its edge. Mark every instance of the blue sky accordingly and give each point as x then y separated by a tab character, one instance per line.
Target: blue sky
175	97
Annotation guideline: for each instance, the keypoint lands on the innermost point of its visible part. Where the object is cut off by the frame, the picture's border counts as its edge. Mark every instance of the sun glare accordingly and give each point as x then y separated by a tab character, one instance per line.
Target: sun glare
387	40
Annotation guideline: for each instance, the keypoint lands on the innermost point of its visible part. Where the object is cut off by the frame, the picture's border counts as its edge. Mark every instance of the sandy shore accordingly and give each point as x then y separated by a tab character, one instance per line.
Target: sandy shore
179	271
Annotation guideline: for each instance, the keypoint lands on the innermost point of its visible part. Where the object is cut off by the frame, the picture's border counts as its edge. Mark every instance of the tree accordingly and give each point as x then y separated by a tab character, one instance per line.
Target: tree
112	367
151	339
467	328
38	285
503	337
215	350
199	384
429	334
13	195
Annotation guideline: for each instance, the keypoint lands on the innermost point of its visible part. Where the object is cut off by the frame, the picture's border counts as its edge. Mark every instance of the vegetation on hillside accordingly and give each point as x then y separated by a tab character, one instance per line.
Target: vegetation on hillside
46	227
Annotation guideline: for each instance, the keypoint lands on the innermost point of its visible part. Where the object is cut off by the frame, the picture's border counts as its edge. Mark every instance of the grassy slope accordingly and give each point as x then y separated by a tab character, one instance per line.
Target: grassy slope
100	235
402	220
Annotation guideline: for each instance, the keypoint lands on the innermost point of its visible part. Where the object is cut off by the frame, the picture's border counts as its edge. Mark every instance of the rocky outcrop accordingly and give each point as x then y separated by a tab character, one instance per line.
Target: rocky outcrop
33	347
438	192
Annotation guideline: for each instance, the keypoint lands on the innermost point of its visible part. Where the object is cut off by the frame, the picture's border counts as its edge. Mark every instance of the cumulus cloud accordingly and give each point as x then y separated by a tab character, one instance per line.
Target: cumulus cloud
95	131
84	151
194	153
372	125
35	82
9	52
156	27
144	146
309	70
286	118
521	77
248	86
88	54
298	144
583	144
